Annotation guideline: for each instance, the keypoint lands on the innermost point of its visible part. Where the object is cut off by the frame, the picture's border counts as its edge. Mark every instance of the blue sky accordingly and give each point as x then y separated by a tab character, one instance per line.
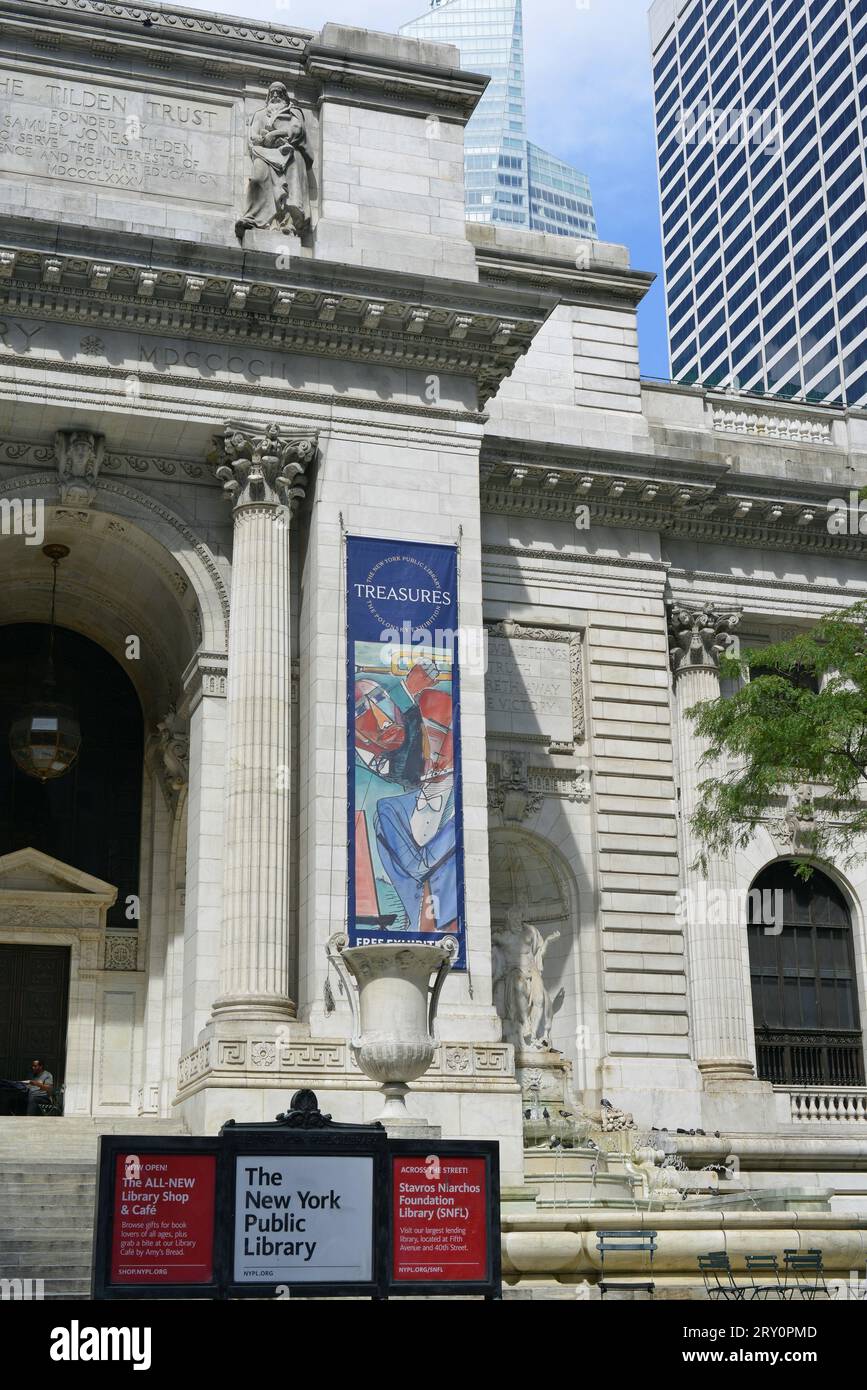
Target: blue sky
589	101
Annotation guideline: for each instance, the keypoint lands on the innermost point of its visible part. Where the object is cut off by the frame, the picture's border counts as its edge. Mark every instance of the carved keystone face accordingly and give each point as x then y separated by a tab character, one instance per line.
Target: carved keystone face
82	454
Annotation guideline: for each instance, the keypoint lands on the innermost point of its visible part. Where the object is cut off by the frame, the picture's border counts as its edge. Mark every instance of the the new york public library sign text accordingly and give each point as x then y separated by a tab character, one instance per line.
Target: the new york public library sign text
300	1207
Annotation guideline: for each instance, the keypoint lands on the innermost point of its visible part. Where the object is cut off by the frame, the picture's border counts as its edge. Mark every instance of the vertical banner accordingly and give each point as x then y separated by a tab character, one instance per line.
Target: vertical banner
406	878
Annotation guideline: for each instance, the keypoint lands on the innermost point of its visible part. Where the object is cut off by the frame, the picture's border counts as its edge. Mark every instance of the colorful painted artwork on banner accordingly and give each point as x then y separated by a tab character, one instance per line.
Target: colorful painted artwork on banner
405	840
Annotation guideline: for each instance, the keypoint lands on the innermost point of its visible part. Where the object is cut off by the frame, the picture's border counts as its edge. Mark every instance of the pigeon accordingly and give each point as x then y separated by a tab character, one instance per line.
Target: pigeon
545	1114
606	1104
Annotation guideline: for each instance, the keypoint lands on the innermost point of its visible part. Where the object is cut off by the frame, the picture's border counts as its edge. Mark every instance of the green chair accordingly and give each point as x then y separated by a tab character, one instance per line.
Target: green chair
719	1281
805	1274
615	1242
773	1284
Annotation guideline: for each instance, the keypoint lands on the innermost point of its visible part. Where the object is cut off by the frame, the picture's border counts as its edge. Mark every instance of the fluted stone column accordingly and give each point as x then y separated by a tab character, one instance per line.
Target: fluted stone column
263	475
716	934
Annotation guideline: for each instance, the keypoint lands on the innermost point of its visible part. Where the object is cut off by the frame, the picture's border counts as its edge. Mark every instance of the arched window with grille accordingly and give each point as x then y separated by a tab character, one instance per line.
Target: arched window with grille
805	993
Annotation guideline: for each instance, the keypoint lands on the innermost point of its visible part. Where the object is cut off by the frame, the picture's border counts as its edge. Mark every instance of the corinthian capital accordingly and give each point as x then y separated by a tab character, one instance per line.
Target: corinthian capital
264	469
699	637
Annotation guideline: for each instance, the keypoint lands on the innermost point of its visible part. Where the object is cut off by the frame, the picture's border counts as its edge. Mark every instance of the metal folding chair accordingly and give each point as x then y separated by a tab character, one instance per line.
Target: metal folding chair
773	1284
617	1242
719	1281
805	1274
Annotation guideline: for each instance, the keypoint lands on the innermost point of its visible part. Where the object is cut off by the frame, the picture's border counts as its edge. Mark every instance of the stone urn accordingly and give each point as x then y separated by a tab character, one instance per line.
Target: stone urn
394	1004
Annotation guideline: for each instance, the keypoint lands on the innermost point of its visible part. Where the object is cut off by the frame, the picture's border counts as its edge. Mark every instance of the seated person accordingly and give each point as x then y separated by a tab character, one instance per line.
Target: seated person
40	1085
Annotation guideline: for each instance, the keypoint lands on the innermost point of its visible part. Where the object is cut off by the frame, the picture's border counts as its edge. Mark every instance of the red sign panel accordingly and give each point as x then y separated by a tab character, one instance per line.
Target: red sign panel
440	1219
163	1219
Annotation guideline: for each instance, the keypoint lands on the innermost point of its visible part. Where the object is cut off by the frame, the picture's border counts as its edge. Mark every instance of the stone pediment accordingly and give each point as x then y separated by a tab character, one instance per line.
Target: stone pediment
38	889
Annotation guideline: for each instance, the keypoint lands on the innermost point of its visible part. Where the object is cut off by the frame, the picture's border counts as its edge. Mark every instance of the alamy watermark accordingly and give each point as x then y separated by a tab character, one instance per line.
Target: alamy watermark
23	516
704	906
731	125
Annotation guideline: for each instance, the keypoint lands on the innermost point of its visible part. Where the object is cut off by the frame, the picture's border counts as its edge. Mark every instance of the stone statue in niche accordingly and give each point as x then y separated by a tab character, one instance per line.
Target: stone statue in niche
278	194
523	1002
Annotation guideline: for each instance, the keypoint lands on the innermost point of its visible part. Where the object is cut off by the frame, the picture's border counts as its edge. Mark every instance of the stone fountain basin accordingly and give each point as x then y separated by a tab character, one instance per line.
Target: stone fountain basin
562	1245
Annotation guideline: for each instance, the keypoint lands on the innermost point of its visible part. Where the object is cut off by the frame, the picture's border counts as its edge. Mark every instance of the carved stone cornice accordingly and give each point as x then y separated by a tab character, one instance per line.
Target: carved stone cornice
368	78
263	469
698	500
700	636
206	674
160	38
367	315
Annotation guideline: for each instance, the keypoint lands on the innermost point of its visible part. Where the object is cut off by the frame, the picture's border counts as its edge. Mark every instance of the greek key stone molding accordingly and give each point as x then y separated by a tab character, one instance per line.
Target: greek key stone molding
121	952
700	636
265	469
288	1061
764	424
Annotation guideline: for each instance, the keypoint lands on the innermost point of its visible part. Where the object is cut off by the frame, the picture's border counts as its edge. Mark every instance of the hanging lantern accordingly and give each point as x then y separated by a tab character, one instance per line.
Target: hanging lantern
44	738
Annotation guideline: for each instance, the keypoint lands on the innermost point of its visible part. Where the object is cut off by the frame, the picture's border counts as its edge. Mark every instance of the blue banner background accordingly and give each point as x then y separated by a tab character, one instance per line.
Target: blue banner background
406	861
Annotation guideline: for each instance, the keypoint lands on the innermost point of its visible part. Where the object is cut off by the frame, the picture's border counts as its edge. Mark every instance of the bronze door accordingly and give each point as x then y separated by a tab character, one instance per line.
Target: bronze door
34	990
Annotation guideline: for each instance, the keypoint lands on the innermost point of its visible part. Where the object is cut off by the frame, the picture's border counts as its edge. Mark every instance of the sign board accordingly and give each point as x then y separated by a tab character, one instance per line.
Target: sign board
275	1211
445	1217
156	1218
305	1217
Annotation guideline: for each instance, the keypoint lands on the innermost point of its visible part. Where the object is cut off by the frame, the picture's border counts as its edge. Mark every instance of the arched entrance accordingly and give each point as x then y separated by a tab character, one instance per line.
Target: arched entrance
804	987
140	613
91	816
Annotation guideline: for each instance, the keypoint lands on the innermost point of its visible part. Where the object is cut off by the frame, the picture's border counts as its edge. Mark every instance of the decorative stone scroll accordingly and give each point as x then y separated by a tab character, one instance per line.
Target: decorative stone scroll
174	745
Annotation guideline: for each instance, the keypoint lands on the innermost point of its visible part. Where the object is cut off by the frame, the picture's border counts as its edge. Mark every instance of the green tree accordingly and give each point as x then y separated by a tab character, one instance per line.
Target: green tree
802	719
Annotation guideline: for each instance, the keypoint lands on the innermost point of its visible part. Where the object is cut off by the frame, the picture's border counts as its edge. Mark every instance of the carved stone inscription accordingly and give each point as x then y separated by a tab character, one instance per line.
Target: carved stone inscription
530	688
86	134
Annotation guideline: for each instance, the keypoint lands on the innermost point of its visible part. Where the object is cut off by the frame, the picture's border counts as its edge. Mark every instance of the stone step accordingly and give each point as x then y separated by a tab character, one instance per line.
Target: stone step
19	1244
29	1266
39	1224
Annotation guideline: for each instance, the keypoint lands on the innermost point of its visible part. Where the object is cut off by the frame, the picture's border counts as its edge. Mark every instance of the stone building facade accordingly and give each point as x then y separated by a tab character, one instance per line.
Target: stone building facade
204	399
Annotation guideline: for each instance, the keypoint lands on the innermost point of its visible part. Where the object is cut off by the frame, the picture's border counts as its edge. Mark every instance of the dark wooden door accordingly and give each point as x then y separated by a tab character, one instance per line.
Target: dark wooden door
34	989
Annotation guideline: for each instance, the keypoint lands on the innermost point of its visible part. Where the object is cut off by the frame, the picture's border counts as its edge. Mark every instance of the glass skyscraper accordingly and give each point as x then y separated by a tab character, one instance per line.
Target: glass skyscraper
761	115
508	180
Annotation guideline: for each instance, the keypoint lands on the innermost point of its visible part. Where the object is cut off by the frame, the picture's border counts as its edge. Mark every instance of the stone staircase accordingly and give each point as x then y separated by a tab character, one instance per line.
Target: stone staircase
47	1196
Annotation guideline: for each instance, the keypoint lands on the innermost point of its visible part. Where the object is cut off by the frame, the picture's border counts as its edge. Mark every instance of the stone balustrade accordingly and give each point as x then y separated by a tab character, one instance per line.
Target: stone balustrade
829	1105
